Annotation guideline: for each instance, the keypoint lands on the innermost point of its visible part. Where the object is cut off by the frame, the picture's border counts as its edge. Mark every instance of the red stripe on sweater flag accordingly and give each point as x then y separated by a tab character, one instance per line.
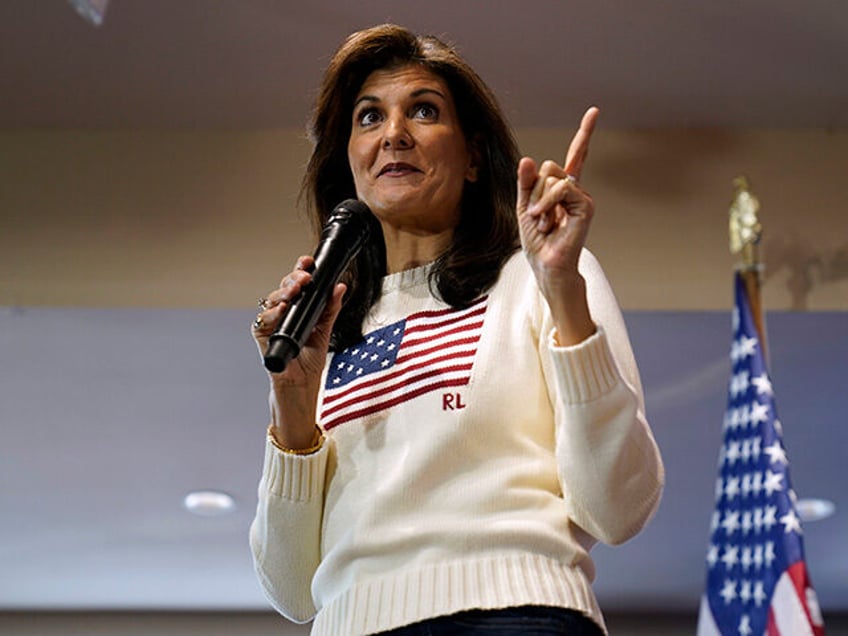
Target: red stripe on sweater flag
426	351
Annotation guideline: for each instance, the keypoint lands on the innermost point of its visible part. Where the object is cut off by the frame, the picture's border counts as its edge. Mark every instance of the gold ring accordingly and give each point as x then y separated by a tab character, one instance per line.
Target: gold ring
571	179
263	303
259	323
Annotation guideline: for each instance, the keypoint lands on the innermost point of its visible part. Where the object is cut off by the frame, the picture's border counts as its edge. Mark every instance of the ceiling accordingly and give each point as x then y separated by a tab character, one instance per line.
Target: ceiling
256	63
110	416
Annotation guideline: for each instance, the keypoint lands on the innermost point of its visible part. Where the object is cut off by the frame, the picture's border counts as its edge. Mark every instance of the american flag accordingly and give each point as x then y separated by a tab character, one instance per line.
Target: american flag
757	582
424	352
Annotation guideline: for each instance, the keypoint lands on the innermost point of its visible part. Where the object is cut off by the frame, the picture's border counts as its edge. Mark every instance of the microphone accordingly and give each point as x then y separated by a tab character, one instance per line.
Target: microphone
341	239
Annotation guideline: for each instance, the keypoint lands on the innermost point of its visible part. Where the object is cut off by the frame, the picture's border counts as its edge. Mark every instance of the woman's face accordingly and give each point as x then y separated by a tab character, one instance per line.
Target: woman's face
407	152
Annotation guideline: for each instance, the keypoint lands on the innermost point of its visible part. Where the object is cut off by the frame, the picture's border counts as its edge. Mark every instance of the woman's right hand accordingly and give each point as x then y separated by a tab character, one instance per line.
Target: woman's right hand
294	392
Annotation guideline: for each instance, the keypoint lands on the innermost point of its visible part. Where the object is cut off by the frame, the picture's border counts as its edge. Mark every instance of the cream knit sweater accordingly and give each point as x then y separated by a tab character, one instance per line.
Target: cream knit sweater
482	485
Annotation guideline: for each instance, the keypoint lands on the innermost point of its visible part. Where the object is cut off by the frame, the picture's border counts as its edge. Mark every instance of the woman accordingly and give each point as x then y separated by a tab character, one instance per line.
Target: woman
480	416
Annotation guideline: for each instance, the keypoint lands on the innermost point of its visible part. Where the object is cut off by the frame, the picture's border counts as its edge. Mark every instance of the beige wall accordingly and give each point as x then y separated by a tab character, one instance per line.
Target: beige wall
207	219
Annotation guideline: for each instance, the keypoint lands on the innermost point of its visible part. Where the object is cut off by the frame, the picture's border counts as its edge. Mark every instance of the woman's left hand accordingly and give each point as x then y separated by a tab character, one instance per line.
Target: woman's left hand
554	215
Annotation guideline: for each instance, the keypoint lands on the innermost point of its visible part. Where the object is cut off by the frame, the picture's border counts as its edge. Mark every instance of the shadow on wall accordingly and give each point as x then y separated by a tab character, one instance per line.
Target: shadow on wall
665	166
808	266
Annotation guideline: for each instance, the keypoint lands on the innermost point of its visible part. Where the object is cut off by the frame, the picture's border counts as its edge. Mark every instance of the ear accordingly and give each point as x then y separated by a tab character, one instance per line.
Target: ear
474	160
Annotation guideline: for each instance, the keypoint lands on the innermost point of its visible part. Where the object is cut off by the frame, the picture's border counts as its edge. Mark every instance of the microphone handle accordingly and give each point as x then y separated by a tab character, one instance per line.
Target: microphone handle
332	257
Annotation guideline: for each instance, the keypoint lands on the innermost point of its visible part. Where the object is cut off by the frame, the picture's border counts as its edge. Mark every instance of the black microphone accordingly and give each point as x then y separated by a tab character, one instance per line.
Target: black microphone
341	239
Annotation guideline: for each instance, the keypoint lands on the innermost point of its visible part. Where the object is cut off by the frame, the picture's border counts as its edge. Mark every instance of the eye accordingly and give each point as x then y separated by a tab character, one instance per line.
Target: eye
368	117
425	110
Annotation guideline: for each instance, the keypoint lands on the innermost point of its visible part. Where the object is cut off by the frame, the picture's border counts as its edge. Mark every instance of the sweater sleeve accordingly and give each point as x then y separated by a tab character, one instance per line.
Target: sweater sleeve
609	465
285	536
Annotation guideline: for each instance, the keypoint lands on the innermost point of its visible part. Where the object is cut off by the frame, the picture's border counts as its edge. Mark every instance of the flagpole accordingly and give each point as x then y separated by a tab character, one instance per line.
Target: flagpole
745	233
757	580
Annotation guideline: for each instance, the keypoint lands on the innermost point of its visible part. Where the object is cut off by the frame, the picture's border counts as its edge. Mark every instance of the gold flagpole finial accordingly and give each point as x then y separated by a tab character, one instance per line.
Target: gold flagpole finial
745	233
745	228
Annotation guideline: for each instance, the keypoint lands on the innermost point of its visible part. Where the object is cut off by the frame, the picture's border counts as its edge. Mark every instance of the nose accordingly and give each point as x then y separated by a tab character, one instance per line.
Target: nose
396	134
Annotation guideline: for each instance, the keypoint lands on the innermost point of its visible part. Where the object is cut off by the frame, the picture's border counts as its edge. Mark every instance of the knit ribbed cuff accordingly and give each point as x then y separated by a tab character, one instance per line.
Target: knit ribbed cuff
585	371
294	477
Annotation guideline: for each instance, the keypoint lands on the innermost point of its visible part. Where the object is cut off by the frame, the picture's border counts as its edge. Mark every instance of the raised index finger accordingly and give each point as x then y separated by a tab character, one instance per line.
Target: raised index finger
579	147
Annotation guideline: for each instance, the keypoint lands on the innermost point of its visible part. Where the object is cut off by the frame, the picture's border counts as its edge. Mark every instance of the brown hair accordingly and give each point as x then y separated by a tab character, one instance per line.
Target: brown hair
487	231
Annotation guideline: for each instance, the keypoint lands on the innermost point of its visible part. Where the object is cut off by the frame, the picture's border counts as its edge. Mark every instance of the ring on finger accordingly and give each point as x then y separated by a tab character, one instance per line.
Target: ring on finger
263	303
571	179
259	323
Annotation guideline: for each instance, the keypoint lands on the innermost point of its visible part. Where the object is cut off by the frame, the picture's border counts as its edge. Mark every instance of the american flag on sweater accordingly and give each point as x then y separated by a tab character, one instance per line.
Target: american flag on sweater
425	352
757	582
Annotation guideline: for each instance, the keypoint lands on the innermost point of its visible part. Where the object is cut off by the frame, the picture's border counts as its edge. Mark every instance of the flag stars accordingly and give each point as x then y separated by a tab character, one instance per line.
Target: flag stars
734	452
746	450
768	553
763	384
746	484
731	522
731	489
758	556
759	593
712	555
747	522
769	519
385	363
746	592
759	413
747	559
739	383
745	628
715	520
747	347
735	419
773	483
758	520
728	592
756	444
776	453
755	527
739	347
731	556
791	522
756	483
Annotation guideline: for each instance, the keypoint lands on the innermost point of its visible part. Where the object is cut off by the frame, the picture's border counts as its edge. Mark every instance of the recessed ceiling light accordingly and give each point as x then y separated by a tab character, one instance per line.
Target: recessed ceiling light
209	503
91	10
815	509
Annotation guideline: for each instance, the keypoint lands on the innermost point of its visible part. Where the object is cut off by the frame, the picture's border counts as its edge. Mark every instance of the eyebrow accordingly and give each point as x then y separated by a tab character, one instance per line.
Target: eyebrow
416	93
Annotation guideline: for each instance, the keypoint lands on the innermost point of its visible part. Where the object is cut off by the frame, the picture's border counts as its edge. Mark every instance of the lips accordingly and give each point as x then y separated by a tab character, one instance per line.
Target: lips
397	169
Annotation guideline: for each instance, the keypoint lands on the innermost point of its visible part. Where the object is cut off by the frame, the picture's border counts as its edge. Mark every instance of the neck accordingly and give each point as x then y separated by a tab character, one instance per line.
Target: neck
405	250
